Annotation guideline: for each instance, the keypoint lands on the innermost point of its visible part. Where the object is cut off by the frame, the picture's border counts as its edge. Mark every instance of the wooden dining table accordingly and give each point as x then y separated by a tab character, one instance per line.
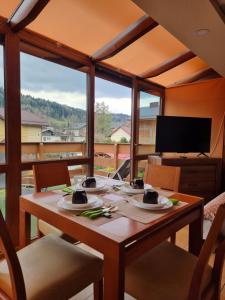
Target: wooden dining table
120	239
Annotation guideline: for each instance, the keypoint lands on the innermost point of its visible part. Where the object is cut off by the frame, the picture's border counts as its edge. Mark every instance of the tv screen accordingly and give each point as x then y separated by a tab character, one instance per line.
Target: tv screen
183	134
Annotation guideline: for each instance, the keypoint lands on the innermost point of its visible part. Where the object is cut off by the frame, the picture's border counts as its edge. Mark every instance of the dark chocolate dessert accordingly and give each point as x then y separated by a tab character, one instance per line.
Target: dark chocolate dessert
90	182
137	183
150	197
79	197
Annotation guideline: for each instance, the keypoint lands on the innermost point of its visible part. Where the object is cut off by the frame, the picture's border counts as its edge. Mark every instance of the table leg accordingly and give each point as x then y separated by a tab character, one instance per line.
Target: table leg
25	221
196	233
114	270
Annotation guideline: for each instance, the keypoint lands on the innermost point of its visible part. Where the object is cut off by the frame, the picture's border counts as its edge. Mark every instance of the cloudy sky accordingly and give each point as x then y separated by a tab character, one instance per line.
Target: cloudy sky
53	82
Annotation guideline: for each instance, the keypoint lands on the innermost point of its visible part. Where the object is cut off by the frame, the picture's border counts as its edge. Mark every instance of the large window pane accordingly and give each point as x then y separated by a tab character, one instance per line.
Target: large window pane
149	108
112	126
54	106
2	106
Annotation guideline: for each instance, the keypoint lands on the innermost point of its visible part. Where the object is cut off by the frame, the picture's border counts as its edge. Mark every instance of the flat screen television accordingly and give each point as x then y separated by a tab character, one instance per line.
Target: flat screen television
183	134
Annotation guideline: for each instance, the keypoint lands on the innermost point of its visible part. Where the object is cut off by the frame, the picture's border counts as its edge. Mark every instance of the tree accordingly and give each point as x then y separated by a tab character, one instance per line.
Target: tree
124	140
103	122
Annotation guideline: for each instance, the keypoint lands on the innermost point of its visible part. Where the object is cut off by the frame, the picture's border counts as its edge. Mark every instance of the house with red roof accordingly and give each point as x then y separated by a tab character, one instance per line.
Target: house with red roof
121	132
147	126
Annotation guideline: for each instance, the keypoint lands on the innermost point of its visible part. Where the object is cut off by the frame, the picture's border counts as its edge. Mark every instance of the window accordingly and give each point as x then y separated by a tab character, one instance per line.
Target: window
149	108
53	110
112	125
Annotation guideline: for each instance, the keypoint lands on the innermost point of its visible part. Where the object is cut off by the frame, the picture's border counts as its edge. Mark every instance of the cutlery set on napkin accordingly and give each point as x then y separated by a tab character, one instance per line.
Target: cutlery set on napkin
102	212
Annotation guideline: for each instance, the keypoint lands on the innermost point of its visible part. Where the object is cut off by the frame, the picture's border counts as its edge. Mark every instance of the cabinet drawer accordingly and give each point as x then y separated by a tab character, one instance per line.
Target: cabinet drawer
197	186
200	173
199	176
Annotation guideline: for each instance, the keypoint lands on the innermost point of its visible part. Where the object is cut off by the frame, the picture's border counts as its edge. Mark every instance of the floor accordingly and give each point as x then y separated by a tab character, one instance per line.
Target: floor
181	240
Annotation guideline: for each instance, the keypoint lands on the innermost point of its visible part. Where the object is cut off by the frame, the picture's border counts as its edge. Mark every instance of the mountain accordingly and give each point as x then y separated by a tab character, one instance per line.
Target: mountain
58	115
119	119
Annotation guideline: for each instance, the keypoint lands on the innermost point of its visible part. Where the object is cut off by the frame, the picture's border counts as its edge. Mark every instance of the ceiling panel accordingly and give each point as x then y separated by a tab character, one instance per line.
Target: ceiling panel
194	22
147	52
85	25
181	72
7	7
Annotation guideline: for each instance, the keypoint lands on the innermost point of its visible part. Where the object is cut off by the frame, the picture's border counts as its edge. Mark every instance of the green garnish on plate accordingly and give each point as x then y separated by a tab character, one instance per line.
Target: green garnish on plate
174	201
68	190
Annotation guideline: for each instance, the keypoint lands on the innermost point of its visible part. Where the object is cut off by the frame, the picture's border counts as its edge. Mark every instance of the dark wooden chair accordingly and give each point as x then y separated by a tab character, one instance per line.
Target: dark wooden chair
169	272
50	175
49	268
165	177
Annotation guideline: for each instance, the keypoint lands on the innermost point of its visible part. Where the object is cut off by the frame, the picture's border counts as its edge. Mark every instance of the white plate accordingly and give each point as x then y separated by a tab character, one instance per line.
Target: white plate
93	202
163	203
129	190
99	187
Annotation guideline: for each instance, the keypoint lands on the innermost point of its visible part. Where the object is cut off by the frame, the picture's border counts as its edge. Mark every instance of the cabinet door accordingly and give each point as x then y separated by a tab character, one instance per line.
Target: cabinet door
199	181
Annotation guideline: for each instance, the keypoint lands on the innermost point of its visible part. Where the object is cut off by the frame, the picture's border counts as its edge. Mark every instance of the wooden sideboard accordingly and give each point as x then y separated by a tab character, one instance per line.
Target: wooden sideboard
199	176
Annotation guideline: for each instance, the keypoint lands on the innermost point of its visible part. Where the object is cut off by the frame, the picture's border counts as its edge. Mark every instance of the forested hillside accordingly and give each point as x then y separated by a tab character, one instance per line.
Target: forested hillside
59	115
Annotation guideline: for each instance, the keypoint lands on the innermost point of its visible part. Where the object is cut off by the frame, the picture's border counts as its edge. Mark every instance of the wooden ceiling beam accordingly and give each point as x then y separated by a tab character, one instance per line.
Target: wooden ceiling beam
168	64
47	44
25	13
125	38
206	73
220	8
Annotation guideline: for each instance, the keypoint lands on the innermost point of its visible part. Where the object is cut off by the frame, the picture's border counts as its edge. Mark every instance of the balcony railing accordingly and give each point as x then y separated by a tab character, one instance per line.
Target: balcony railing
108	157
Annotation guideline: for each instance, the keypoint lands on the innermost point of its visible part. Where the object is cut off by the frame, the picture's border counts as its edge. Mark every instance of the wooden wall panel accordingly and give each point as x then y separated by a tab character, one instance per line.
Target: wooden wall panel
200	99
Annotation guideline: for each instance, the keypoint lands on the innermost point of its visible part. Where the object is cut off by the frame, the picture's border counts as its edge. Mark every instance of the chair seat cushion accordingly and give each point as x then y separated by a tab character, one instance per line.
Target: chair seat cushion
164	272
53	269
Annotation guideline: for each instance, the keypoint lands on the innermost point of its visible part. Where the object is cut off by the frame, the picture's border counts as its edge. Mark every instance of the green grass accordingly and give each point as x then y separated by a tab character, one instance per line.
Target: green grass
141	173
33	219
2	201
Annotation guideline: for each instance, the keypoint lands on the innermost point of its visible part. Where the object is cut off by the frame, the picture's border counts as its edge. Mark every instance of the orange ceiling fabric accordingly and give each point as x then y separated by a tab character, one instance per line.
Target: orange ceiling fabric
7	7
87	25
181	72
147	52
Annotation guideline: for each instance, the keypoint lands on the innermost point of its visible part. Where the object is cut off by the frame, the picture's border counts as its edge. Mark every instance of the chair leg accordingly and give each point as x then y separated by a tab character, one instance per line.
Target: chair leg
98	290
173	238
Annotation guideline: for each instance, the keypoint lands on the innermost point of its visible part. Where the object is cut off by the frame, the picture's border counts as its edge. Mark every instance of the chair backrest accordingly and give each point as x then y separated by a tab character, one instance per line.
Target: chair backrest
16	275
165	177
50	174
123	171
213	241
